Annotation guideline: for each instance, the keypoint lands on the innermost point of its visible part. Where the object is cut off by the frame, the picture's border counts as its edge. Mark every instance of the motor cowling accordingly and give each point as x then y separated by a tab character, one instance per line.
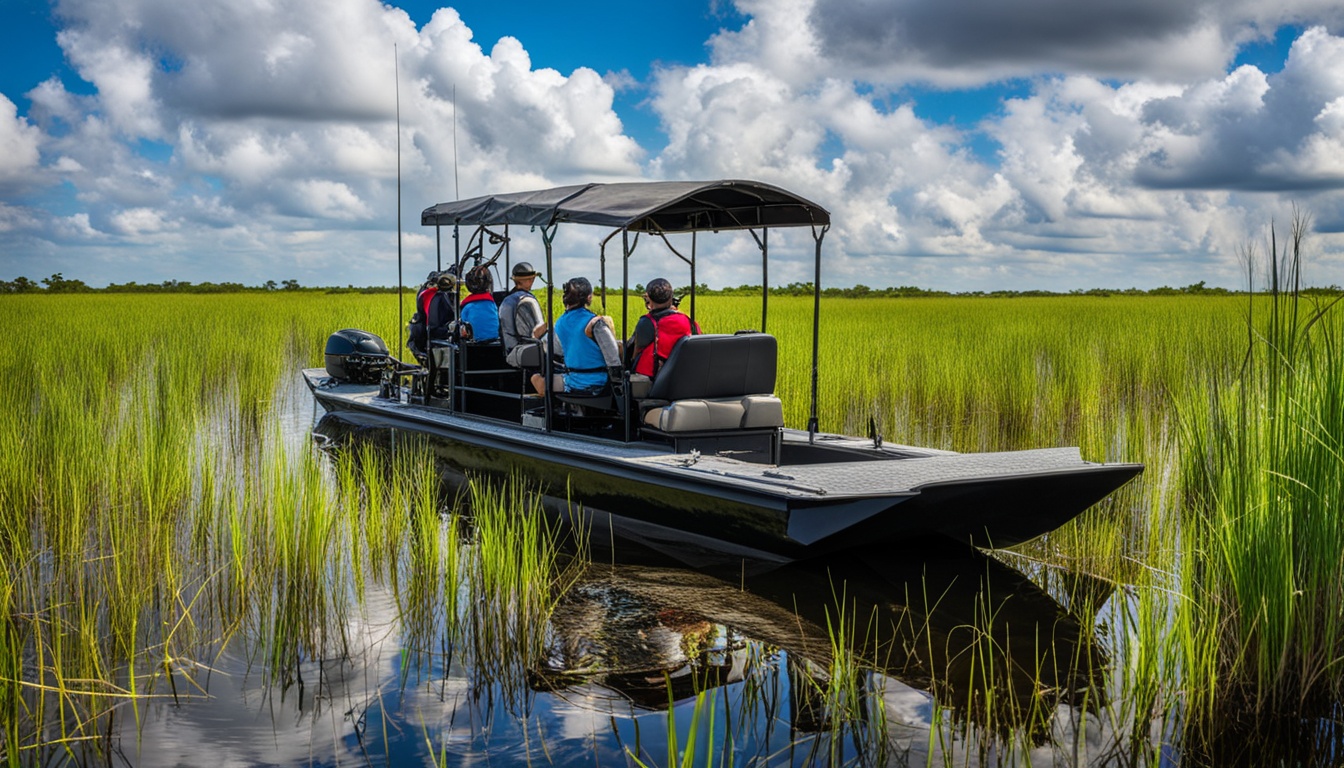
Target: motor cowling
356	356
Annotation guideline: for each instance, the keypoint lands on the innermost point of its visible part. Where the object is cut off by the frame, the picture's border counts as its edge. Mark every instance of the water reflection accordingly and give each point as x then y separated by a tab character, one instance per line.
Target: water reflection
931	654
920	629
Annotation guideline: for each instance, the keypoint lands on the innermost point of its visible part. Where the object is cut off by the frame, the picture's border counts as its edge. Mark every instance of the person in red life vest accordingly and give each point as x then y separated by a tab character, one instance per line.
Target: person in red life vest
657	332
435	312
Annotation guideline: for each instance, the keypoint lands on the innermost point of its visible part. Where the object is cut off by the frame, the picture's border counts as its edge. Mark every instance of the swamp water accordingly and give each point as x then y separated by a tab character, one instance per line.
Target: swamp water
404	622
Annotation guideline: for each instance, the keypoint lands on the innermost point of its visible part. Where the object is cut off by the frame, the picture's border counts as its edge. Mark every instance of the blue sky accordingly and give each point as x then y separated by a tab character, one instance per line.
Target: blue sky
1029	144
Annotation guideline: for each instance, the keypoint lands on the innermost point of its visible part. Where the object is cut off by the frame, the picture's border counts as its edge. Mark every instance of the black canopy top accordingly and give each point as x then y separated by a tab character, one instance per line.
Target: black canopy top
648	206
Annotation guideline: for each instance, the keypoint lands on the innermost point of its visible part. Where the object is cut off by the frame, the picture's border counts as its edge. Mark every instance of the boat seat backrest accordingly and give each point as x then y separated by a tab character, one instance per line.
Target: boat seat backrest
713	366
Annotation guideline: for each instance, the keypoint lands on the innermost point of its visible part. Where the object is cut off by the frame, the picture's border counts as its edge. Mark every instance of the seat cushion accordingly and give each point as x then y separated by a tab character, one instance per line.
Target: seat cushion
699	415
762	411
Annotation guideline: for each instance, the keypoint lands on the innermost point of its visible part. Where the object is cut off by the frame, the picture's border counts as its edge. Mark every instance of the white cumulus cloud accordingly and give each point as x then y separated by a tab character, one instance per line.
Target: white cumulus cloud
19	144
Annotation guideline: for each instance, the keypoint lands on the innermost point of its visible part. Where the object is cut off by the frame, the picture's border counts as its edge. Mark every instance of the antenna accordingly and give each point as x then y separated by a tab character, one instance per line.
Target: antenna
457	188
401	307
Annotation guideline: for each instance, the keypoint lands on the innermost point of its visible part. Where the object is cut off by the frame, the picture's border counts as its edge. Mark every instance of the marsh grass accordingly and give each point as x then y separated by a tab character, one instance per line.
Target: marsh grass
153	516
1265	462
517	575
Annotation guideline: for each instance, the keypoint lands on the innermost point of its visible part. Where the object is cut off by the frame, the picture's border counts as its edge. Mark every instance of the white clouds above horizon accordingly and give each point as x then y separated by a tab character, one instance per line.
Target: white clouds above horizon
19	141
239	133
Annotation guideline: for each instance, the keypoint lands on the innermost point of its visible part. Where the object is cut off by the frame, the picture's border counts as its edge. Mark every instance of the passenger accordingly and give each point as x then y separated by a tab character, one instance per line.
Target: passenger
435	311
521	321
658	331
480	315
586	341
417	339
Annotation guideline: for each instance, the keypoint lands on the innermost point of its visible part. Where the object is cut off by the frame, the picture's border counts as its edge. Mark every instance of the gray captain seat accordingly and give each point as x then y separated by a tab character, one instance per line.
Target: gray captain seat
716	382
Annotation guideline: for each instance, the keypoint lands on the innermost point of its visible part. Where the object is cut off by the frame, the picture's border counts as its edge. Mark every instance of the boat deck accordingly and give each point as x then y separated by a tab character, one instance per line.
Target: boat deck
895	476
874	471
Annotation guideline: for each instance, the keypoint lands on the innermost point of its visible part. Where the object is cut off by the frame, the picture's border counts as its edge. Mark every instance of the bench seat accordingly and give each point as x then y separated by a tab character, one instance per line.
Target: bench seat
702	414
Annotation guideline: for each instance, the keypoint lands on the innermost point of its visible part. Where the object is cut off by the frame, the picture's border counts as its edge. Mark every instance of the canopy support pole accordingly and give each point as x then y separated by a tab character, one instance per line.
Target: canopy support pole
625	330
602	253
693	234
765	276
817	235
625	283
548	369
763	243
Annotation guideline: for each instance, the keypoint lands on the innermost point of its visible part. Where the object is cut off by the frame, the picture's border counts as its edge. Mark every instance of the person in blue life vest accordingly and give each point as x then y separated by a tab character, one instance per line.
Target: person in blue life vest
521	321
480	314
586	341
658	331
435	312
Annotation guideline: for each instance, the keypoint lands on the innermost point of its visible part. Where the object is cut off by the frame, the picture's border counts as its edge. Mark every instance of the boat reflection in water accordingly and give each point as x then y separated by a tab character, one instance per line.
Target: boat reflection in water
847	647
877	656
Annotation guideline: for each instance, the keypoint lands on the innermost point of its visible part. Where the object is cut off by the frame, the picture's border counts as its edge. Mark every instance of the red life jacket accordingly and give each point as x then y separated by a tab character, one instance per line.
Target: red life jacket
426	297
477	297
667	330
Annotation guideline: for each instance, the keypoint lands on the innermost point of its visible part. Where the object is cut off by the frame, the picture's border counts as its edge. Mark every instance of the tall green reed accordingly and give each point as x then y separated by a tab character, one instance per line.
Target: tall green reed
1265	463
153	514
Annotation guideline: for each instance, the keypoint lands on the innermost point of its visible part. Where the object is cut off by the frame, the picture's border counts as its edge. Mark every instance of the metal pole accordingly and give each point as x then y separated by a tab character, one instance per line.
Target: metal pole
401	307
625	322
816	332
693	233
625	284
765	275
548	368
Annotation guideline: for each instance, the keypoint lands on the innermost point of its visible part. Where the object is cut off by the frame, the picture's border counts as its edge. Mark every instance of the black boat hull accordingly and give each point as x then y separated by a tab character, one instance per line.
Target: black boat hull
677	506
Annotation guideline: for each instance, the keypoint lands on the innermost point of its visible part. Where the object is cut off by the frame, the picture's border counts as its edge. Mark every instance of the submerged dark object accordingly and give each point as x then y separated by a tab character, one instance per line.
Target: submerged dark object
702	457
356	356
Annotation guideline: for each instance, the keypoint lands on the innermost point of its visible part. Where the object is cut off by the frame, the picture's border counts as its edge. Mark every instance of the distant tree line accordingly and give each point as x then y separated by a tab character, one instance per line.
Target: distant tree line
912	292
58	283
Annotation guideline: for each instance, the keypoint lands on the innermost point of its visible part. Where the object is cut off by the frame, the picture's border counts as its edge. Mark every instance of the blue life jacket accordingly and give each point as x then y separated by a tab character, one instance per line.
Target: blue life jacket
479	309
587	369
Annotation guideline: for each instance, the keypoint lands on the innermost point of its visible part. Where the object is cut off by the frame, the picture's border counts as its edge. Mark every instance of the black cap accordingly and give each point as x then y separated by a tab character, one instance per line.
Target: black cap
523	269
659	290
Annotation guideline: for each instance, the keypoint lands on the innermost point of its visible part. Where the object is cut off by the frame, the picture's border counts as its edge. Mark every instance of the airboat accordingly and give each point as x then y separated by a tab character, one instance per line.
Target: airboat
701	456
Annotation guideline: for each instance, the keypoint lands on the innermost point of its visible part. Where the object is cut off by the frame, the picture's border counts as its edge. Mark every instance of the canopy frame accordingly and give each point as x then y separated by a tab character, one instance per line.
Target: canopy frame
658	208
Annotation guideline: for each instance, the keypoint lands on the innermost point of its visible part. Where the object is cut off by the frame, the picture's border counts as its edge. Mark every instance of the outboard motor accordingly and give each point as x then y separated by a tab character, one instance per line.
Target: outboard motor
357	356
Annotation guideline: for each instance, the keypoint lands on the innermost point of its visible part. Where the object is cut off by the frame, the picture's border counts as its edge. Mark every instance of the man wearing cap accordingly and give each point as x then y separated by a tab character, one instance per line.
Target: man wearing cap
658	331
520	318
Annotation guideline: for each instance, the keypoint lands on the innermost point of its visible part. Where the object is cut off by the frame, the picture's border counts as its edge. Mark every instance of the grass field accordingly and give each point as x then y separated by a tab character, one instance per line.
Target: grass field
151	506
